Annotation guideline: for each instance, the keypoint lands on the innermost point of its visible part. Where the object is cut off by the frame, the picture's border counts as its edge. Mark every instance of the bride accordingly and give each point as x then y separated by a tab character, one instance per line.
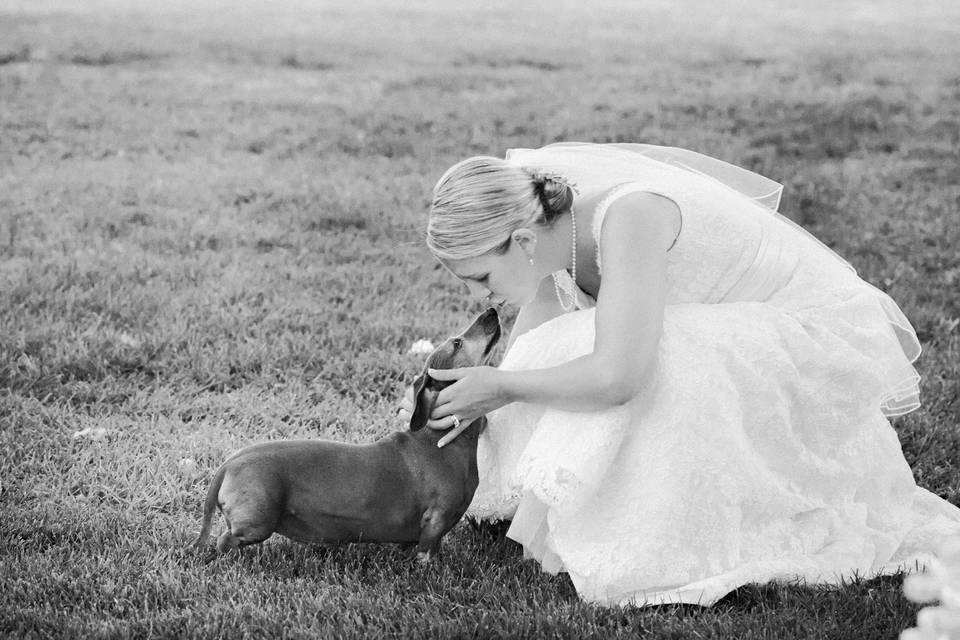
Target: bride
696	391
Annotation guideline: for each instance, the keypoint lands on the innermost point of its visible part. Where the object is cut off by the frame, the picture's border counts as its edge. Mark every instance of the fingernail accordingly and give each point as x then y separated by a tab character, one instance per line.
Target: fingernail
441	443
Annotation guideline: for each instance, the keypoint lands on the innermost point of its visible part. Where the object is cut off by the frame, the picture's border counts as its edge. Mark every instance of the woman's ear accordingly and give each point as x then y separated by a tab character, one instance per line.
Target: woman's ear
525	239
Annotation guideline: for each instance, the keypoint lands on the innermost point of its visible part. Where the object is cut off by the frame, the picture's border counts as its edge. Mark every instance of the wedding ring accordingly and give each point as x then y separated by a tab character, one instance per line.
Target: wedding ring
456	421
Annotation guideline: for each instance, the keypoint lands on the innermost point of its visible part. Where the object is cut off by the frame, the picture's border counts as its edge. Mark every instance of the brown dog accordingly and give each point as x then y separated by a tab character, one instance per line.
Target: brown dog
401	488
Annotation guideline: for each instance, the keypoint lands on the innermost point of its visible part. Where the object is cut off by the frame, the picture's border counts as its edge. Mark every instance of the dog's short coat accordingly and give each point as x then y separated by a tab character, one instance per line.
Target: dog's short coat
401	488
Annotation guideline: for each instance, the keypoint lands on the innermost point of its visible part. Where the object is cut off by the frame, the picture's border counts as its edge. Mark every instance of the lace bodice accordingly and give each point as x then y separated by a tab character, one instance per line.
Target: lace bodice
731	247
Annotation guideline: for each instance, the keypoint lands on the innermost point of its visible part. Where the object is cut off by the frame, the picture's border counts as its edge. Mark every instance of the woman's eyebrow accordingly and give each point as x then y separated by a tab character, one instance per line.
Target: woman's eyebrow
477	276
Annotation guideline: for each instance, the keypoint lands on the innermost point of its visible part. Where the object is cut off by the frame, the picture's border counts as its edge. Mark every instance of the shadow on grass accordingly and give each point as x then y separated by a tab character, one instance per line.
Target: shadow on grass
108	58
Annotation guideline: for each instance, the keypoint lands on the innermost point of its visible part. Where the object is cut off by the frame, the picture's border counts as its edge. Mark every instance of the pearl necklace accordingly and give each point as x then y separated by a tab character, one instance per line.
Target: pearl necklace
572	293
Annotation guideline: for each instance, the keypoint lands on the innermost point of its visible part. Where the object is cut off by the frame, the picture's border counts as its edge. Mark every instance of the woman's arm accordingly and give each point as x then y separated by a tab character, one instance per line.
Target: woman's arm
637	231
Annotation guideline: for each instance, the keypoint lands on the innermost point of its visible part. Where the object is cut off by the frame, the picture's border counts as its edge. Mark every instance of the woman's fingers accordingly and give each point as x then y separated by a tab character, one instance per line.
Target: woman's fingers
405	410
447	374
441	423
444	396
447	438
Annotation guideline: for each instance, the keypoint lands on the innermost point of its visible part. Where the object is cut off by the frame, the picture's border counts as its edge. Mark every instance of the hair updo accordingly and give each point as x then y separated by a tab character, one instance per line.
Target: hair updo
480	201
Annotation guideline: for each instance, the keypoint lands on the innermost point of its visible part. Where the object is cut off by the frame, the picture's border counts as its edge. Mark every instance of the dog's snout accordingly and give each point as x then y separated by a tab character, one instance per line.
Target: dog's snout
471	347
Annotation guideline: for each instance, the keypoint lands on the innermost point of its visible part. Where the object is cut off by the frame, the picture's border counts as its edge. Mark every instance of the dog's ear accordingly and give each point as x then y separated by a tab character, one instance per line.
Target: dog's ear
424	399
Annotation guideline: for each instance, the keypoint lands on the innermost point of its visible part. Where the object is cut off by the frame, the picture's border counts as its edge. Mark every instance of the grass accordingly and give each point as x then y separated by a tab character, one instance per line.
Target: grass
210	235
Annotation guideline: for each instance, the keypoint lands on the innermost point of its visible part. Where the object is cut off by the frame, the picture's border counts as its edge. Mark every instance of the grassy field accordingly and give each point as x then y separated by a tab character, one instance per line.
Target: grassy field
211	223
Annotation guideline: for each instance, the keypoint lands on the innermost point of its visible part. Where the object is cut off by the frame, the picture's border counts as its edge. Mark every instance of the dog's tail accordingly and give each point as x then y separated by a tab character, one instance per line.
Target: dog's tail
210	506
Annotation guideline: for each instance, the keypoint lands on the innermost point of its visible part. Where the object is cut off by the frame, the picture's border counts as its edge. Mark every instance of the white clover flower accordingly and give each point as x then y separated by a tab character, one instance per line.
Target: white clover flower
940	584
93	433
421	347
127	340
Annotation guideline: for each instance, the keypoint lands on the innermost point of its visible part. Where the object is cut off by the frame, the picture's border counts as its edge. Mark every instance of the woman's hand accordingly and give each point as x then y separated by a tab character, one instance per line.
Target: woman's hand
405	411
475	392
405	415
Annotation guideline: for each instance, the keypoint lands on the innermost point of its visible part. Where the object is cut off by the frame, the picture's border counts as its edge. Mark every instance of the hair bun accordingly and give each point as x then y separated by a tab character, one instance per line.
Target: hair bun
554	191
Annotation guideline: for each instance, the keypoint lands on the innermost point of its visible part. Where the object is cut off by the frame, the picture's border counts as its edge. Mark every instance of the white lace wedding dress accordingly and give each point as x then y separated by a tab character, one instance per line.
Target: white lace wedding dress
762	449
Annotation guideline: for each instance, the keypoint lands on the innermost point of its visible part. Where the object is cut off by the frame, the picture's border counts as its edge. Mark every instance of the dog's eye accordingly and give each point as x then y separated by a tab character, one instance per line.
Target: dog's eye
457	343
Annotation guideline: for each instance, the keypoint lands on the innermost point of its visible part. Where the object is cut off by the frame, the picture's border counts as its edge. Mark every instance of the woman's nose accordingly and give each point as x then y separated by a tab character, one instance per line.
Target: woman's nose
479	291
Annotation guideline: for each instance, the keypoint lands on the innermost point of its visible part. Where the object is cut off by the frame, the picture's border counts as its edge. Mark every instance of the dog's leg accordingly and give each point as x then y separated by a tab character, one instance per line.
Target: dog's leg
433	525
235	537
250	506
249	521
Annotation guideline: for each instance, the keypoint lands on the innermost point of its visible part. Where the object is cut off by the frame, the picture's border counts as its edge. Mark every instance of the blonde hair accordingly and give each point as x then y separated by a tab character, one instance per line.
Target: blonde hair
480	201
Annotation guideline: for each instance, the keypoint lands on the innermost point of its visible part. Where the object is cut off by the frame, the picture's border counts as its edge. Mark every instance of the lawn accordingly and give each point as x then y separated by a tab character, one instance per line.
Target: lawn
211	222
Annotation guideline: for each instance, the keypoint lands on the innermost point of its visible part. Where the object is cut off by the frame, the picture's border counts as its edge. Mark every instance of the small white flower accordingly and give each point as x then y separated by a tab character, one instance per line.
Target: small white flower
940	586
421	347
922	587
128	341
93	433
187	465
940	619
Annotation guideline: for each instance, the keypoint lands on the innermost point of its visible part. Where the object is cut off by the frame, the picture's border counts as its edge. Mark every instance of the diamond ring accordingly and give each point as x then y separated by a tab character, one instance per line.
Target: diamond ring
456	421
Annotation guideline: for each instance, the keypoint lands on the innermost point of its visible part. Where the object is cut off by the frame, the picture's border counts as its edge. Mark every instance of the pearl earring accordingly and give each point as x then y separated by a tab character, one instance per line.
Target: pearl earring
531	259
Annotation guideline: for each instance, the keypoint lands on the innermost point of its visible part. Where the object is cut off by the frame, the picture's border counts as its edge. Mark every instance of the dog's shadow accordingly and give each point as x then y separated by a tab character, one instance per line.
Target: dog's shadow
473	552
480	536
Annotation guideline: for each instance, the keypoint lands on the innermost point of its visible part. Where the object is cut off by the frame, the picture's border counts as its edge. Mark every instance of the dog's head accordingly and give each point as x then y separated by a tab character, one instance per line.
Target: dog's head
468	349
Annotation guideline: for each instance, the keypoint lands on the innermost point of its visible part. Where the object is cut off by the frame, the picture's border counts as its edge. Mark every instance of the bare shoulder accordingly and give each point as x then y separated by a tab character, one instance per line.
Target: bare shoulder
641	216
